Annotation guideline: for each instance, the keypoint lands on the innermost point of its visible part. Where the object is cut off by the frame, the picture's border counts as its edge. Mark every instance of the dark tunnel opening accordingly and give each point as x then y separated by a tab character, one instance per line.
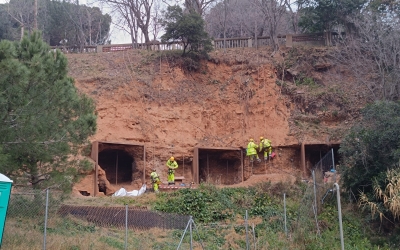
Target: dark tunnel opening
316	152
117	164
220	166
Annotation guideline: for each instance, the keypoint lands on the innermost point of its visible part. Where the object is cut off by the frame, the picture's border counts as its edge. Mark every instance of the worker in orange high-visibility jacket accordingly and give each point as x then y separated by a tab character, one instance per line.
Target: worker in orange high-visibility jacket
172	165
266	146
252	151
155	180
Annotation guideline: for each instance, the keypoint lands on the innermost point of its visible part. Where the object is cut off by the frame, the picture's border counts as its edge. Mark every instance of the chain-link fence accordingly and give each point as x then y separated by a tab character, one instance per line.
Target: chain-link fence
25	219
323	177
305	221
43	220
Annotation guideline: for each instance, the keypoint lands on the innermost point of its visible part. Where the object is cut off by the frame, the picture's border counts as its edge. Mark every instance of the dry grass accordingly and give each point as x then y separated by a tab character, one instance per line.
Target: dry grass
75	234
389	196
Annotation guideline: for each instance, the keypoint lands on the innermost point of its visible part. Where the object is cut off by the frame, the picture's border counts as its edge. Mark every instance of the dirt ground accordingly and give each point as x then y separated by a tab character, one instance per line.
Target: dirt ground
234	97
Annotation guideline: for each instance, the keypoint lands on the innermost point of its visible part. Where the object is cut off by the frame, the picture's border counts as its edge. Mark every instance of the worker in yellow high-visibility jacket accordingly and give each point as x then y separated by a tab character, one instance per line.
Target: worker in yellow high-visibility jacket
155	180
266	146
252	151
172	165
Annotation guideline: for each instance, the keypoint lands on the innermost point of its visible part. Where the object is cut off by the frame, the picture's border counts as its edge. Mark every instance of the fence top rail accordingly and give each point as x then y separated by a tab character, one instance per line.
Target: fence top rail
73	46
179	42
141	44
67	204
231	38
115	45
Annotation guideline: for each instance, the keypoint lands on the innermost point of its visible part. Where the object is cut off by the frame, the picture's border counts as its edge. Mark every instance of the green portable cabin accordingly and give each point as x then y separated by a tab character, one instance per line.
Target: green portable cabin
5	190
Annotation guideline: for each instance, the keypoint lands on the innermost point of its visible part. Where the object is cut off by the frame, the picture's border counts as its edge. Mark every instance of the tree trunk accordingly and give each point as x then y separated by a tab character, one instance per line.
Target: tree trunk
146	36
134	43
35	24
22	31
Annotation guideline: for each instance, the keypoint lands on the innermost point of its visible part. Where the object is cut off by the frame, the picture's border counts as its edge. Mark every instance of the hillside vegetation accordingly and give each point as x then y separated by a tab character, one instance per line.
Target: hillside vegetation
220	222
141	107
322	101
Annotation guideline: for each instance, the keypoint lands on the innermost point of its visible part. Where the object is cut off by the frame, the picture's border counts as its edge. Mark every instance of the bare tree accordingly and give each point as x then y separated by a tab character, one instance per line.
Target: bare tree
238	19
273	10
126	21
251	19
35	21
135	14
372	55
22	12
218	18
155	24
293	15
225	16
77	16
199	6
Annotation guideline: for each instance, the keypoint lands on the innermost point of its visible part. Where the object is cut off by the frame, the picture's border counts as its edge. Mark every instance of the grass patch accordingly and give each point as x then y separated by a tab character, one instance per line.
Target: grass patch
219	223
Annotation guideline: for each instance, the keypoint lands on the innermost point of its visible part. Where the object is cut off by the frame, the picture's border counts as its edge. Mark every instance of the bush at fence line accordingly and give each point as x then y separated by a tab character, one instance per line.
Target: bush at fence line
199	203
210	204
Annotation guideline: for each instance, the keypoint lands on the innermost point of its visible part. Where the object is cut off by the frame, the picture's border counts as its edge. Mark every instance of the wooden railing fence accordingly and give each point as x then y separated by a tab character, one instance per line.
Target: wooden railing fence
289	40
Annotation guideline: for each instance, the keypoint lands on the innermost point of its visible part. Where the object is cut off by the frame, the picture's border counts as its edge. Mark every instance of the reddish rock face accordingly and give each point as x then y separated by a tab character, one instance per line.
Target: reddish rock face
154	102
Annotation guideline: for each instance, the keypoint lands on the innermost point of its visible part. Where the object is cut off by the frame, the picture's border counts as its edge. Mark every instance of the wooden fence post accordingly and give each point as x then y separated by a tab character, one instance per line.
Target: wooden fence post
250	42
289	41
99	49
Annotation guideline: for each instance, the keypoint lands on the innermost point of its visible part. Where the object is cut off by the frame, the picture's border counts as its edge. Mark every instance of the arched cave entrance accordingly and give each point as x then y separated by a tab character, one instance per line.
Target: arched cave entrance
117	164
123	163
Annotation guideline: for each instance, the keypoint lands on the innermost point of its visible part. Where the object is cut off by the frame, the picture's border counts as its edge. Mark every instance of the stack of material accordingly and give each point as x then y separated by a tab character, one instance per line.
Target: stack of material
122	192
164	187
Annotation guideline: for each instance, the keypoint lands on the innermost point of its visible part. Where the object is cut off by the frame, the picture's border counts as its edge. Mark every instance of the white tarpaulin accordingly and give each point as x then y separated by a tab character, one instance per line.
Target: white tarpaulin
122	192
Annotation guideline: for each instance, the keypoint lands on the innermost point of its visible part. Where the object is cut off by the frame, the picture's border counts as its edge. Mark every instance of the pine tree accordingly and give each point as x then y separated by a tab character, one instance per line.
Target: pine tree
43	118
187	28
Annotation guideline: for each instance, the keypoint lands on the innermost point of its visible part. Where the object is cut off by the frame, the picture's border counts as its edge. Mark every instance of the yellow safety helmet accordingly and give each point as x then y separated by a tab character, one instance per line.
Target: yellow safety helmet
172	158
261	138
251	139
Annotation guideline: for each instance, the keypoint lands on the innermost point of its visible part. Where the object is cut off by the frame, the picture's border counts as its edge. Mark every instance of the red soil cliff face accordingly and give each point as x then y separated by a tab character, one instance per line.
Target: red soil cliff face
233	97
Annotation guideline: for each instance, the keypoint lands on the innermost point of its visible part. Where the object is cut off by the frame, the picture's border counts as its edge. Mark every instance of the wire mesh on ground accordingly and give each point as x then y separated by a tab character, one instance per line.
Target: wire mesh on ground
119	217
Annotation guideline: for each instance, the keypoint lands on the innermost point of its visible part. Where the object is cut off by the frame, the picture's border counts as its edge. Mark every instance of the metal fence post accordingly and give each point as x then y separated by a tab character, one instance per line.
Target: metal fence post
284	212
126	227
315	191
315	209
340	214
334	167
45	219
191	233
247	232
